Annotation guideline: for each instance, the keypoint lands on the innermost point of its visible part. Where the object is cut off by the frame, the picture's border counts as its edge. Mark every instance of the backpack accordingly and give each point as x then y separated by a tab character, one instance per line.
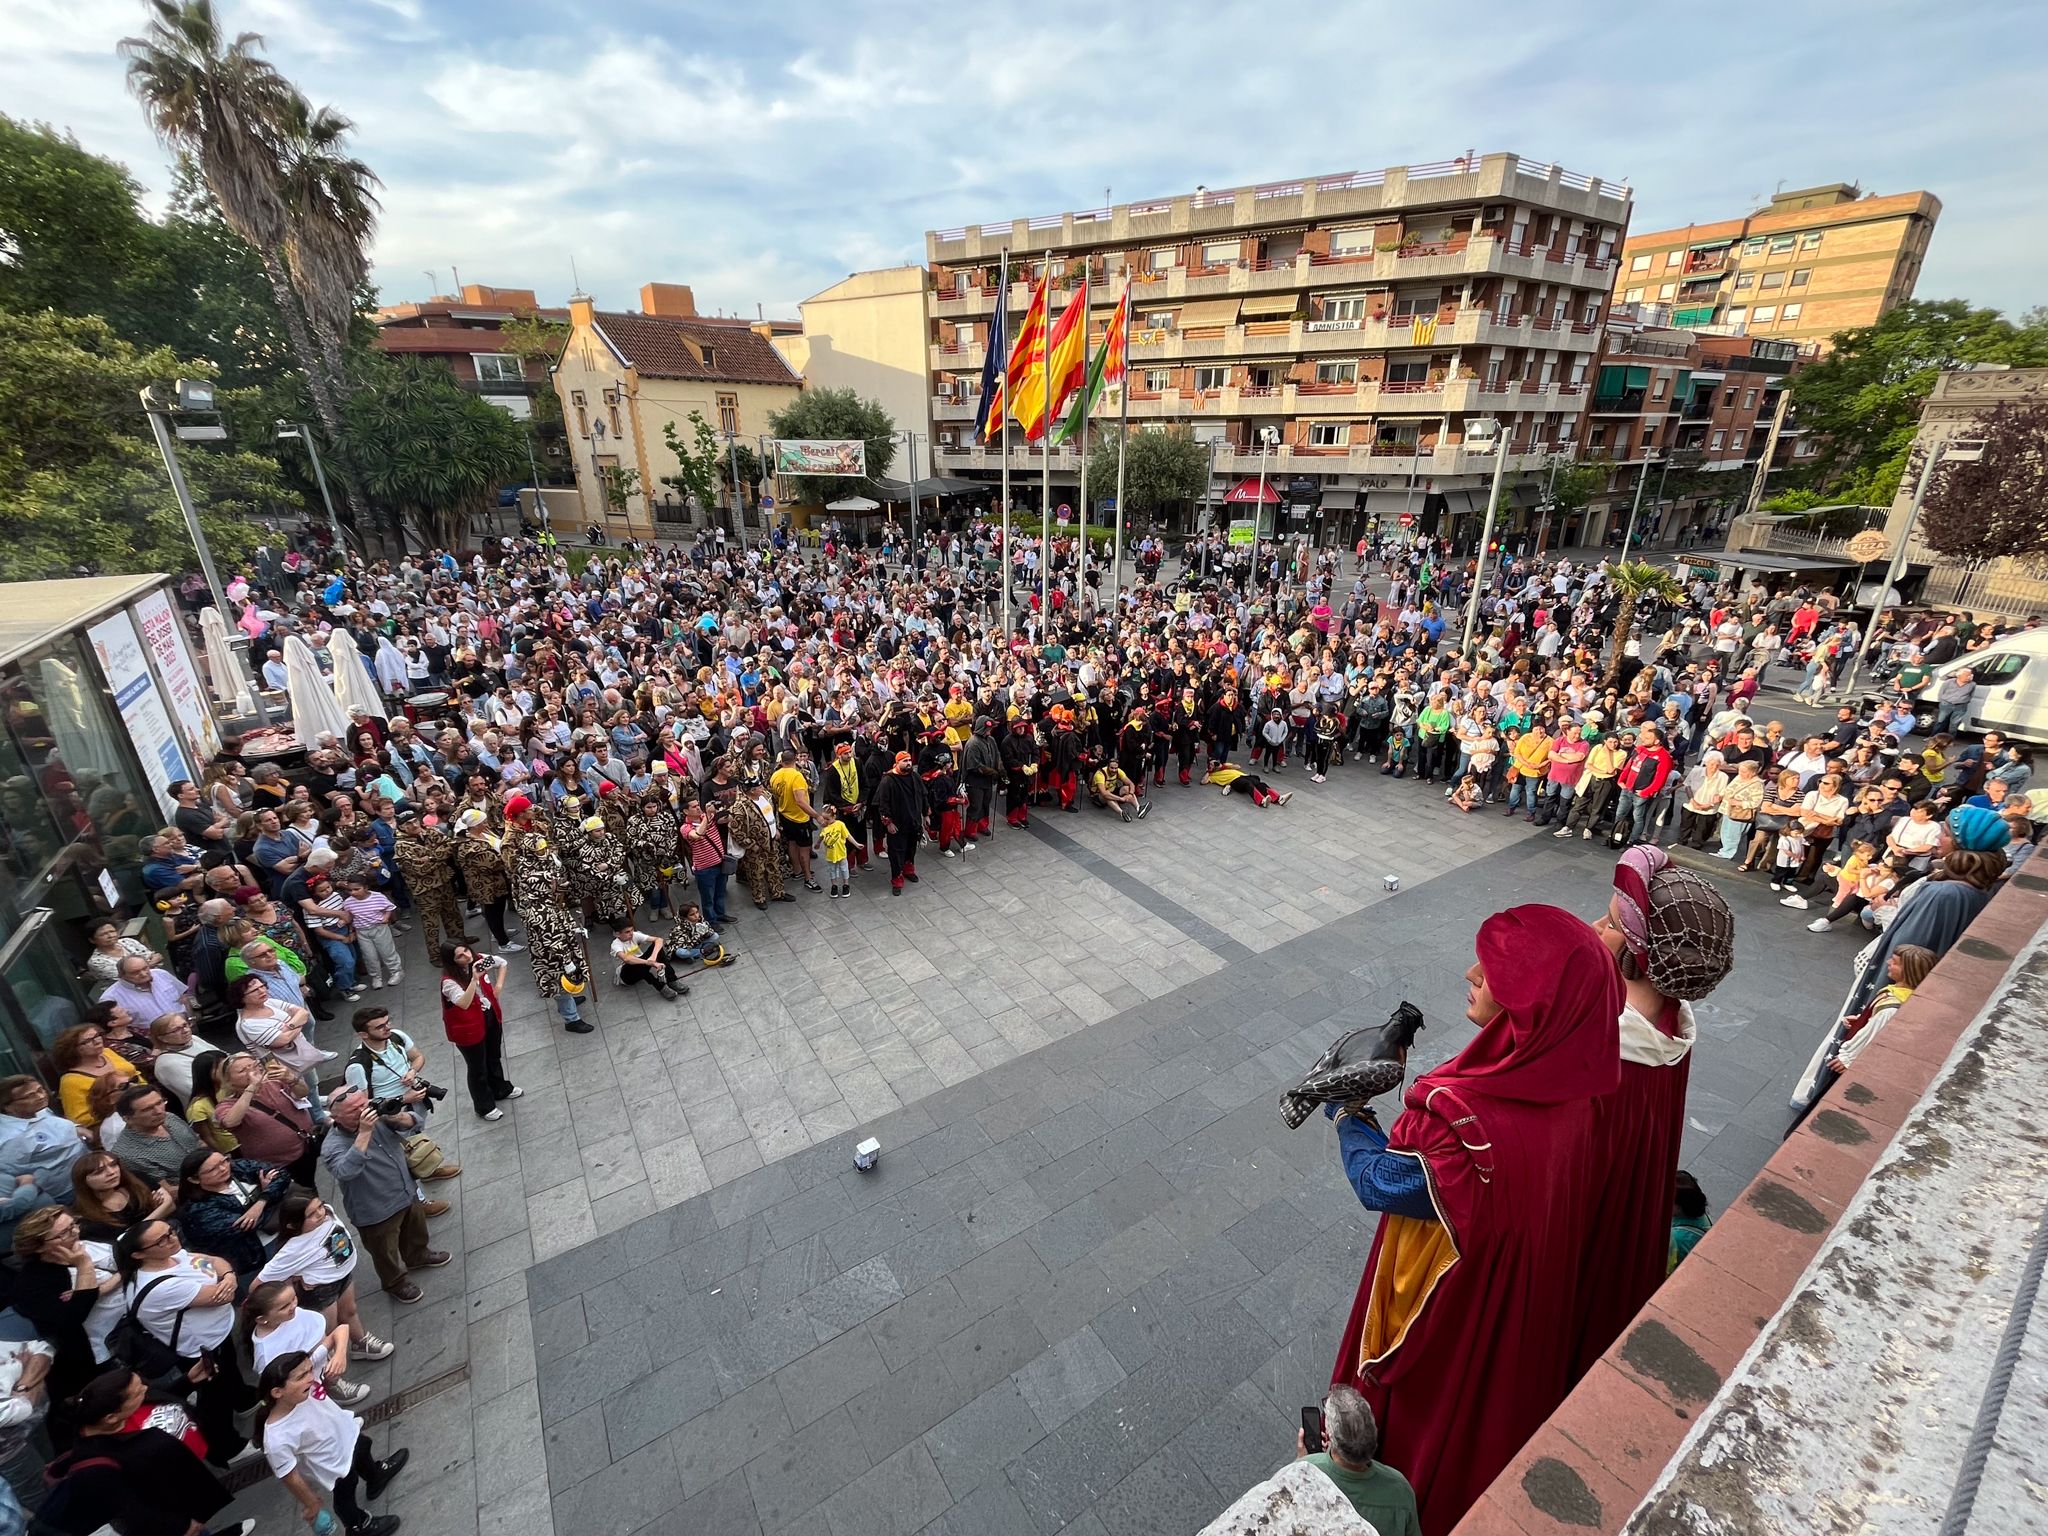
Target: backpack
140	1350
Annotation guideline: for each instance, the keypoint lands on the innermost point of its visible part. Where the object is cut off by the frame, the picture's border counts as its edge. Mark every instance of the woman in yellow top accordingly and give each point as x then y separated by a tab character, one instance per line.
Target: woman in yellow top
82	1059
1530	755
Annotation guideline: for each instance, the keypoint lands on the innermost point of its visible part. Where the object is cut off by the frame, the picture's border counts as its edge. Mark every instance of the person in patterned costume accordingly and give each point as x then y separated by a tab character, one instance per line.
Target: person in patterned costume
426	857
479	854
653	837
602	876
554	934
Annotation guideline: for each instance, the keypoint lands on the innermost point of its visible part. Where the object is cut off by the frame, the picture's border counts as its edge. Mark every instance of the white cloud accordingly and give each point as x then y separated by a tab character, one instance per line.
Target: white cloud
761	153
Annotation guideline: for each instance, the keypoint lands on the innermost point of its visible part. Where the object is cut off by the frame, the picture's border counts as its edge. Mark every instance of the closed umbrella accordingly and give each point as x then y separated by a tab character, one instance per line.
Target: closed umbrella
223	671
392	675
353	686
314	707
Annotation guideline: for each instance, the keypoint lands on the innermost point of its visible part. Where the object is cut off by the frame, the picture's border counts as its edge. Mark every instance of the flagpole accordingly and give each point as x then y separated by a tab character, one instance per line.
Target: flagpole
1081	568
1123	437
1045	464
1002	329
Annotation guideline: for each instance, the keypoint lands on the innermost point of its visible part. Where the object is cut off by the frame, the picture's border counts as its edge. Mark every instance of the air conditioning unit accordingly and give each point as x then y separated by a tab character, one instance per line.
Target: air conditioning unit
554	450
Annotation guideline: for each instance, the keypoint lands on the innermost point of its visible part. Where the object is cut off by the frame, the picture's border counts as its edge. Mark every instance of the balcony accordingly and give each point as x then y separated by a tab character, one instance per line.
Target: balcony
1628	403
957	356
948	408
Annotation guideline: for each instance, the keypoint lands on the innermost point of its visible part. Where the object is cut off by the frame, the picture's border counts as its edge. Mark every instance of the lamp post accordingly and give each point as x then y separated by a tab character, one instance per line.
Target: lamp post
1628	539
288	431
739	500
1962	450
1268	438
1499	435
1208	506
197	397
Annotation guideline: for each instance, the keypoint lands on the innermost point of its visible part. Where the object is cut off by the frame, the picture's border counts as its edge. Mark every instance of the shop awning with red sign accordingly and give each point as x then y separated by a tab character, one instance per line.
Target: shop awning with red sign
1249	490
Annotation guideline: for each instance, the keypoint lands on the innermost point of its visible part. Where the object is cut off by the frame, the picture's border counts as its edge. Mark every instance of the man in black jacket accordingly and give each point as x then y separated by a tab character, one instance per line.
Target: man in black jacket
899	801
1020	767
980	765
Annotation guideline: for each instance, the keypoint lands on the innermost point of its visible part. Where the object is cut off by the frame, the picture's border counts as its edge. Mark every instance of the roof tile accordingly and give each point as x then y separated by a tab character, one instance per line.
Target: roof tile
654	344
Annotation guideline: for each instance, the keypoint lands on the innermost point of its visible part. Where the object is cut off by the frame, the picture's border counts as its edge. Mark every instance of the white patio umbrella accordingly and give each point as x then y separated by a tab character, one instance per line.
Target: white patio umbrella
354	688
314	707
853	504
223	670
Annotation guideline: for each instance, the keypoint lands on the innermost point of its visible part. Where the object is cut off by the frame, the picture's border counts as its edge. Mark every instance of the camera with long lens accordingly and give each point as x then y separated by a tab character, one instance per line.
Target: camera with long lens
396	1105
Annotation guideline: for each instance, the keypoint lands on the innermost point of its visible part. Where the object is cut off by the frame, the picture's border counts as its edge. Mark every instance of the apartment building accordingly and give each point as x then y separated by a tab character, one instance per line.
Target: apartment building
1808	264
460	331
1371	318
1682	418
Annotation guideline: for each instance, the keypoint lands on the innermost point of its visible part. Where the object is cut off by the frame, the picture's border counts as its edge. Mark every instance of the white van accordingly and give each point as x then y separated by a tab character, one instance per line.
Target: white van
2012	687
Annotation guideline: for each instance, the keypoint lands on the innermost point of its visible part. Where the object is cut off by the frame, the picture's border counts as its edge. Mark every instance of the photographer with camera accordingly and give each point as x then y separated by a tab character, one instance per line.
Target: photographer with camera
475	1022
365	1151
386	1064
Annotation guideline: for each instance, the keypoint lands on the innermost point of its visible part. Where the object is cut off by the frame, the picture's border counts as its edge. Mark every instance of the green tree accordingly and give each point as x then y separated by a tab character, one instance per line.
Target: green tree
621	485
836	415
536	339
751	470
1634	580
696	476
1163	471
69	391
426	448
117	514
1862	402
331	212
1998	504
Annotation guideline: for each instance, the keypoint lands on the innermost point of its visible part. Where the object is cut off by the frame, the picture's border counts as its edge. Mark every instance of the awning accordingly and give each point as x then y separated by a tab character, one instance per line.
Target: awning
1247	490
927	485
1270	304
1750	560
1340	498
1393	503
853	504
1207	312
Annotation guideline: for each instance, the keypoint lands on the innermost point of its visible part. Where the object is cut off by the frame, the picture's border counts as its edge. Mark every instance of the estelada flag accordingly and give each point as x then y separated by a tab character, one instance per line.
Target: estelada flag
1105	368
1027	354
1038	397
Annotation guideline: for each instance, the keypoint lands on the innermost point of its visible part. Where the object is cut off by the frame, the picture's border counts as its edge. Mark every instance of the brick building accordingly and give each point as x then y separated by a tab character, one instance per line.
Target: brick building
460	330
1807	265
1370	318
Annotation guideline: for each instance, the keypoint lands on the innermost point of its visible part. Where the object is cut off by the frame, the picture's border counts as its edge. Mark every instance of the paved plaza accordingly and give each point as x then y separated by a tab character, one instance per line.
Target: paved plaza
1094	1277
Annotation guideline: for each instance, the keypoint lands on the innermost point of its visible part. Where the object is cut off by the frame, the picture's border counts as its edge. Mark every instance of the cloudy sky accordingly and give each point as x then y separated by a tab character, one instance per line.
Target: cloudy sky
760	152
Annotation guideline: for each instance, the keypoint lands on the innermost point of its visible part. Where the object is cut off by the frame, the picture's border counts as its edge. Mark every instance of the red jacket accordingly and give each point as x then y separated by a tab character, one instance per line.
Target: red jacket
465	1026
1645	772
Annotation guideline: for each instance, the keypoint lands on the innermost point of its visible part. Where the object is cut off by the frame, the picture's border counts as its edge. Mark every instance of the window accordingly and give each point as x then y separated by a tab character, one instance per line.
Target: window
1408	373
1329	434
1790	313
1657	389
1336	373
1639	264
582	414
1735	441
1350	306
1810	242
710	357
1159	320
1781	244
1744	280
1164	259
1749	399
1753	246
1727	399
1738	313
2002	667
1220	253
1597	438
1156	379
1632	296
1667	291
1774	280
963	335
1211	378
1716	440
611	406
498	368
1764	314
1674	259
1800	276
729	408
1350	242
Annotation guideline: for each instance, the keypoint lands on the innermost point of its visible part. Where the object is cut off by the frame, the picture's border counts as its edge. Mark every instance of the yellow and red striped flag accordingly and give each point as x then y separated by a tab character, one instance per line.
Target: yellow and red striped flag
1026	357
1105	368
1038	398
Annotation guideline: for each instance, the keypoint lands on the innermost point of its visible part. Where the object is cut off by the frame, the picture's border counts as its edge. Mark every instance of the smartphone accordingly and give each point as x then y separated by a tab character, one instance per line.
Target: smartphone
1312	1428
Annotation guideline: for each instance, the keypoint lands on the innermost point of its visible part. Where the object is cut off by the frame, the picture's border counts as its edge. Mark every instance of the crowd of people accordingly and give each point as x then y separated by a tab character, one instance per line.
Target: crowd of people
592	760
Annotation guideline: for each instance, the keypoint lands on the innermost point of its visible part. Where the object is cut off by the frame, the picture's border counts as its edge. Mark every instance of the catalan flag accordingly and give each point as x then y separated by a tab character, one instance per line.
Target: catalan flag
1027	357
1043	391
1105	368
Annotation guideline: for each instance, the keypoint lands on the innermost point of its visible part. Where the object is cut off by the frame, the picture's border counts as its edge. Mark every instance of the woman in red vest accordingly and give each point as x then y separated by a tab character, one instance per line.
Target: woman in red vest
476	1024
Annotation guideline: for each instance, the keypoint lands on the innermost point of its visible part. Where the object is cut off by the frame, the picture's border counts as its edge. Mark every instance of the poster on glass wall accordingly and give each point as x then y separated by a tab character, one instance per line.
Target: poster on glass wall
165	637
126	665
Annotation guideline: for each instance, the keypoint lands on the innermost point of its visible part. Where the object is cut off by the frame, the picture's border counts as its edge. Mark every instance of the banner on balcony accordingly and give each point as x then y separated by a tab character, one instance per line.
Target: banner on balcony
1425	330
820	456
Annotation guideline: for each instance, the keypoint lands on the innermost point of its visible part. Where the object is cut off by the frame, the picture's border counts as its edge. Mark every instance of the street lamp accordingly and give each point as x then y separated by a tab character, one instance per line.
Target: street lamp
1269	438
291	431
1628	539
1962	450
1485	429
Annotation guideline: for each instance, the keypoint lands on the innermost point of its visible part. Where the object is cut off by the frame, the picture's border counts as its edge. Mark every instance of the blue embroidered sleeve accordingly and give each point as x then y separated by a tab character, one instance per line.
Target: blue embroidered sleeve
1385	1181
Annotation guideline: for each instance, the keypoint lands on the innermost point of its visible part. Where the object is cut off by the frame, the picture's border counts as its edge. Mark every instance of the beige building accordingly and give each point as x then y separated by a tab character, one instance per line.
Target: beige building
1369	322
624	375
1809	264
867	334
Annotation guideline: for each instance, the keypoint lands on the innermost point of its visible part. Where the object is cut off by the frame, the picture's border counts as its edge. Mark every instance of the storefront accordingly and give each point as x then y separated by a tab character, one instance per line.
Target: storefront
104	711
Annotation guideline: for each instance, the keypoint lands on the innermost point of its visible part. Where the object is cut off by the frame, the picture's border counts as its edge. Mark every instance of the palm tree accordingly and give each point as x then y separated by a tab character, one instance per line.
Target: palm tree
331	208
227	109
1634	580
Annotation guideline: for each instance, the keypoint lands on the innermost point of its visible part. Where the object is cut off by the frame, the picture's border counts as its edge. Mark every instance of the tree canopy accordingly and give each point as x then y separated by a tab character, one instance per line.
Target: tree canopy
1862	402
836	415
427	448
1996	505
1163	470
